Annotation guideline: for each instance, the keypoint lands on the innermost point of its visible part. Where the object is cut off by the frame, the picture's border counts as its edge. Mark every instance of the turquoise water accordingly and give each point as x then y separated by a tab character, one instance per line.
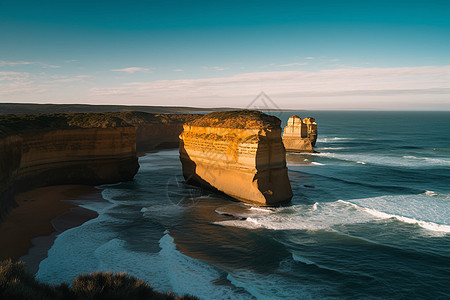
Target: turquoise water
370	219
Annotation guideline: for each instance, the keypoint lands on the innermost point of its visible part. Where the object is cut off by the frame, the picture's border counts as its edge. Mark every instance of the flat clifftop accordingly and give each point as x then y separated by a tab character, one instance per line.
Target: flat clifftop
238	119
239	153
34	108
12	124
139	117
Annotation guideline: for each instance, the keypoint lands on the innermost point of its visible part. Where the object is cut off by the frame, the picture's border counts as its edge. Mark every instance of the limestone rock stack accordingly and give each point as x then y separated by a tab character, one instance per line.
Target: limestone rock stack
300	135
311	126
239	153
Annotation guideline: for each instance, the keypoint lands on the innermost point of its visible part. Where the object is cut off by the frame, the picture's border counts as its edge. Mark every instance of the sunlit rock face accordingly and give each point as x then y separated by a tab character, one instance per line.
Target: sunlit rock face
239	153
42	150
300	135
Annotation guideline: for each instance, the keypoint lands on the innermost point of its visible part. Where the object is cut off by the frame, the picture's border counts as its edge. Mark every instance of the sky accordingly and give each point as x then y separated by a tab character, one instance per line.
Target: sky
313	55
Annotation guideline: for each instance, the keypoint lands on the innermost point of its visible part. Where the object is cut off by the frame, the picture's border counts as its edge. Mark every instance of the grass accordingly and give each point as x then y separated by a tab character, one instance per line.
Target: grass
11	124
16	283
238	119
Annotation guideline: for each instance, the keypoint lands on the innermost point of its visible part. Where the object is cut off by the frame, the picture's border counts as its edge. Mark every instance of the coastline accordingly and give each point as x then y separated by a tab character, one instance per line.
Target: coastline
29	230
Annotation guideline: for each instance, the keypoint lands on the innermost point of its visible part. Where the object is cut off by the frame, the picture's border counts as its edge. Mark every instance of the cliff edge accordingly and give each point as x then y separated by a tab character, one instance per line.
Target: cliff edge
239	153
78	148
42	150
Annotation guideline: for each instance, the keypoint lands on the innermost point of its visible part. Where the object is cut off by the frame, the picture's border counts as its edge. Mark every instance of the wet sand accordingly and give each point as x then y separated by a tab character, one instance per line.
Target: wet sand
29	230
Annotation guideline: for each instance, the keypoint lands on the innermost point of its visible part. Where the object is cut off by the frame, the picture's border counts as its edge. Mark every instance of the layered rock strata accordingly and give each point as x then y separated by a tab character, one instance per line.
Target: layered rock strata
300	135
156	131
42	150
92	148
239	153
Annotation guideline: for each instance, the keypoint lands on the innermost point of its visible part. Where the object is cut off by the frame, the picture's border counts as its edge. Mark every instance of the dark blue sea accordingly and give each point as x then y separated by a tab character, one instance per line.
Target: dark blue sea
370	219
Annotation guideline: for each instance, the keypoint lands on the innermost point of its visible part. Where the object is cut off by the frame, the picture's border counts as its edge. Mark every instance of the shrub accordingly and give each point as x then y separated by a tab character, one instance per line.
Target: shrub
16	283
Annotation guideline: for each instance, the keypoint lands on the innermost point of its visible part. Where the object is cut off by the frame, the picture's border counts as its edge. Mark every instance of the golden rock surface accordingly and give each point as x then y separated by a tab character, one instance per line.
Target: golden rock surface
245	161
300	135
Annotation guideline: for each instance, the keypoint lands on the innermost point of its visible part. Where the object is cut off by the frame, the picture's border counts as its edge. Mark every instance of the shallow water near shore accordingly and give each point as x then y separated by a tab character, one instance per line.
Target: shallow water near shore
370	218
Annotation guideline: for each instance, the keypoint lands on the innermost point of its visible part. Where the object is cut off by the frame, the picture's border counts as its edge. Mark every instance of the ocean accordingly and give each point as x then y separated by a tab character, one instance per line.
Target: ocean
370	219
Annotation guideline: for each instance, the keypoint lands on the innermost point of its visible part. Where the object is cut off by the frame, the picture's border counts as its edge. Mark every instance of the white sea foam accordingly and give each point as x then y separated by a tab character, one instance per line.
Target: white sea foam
386	160
330	148
425	210
242	211
427	225
304	165
292	162
315	205
166	270
302	259
436	194
333	139
261	209
262	287
430	160
73	251
429	212
321	216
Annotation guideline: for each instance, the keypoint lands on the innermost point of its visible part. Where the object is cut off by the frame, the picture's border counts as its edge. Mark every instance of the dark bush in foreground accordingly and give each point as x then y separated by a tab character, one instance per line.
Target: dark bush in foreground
16	283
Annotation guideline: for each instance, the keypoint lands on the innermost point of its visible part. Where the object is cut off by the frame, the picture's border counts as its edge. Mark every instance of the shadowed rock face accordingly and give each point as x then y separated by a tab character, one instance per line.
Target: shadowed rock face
239	153
42	150
79	148
300	135
157	131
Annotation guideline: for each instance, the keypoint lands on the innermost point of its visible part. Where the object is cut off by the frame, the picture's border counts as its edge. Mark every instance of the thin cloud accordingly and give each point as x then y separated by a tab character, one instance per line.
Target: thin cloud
309	57
16	83
216	68
294	64
24	83
64	79
14	63
23	63
10	75
331	83
178	70
132	70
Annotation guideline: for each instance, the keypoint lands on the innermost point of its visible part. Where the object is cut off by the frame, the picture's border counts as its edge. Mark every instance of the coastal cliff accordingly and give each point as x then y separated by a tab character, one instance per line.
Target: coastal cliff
42	150
156	131
300	135
239	153
79	148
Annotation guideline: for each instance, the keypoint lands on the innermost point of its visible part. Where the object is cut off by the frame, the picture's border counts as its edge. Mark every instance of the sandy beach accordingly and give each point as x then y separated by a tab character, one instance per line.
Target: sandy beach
30	229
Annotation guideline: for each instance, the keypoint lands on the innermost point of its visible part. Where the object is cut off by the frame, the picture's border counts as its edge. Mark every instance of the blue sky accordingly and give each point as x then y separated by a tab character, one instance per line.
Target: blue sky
303	54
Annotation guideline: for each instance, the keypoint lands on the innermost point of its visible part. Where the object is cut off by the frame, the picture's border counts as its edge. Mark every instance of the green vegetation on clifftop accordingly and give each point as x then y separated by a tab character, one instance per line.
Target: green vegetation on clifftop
12	124
16	283
239	119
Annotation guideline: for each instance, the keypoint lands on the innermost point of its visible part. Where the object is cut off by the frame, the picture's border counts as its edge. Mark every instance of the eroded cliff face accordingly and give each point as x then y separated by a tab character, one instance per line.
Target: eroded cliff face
300	135
37	151
157	131
80	148
238	153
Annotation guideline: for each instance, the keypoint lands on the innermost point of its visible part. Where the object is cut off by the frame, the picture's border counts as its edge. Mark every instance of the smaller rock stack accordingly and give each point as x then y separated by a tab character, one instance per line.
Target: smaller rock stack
300	136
